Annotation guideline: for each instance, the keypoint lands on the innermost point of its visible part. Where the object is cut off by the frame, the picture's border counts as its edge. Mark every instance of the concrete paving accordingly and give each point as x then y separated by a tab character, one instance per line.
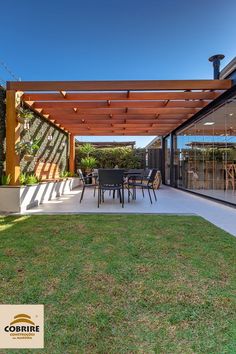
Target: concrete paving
169	201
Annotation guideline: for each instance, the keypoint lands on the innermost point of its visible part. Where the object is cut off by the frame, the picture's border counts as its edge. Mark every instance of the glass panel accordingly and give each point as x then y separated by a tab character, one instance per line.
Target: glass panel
205	155
167	160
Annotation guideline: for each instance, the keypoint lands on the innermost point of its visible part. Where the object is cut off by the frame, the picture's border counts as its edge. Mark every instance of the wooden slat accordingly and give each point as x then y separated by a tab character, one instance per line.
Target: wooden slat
121	121
131	111
119	85
74	117
67	105
85	96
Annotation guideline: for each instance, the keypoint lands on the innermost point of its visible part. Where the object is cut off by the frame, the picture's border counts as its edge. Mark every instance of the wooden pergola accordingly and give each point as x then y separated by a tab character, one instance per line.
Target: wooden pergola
109	108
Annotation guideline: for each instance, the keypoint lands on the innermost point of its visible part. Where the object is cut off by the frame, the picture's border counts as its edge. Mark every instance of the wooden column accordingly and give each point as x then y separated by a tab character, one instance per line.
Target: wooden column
72	154
12	137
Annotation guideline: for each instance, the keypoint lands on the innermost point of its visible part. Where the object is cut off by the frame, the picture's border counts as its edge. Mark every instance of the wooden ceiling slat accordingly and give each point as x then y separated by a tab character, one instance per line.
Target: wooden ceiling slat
115	121
119	85
121	96
67	105
74	117
131	111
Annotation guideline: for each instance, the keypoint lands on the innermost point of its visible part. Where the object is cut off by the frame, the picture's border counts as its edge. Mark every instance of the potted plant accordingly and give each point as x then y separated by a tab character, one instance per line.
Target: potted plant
88	163
28	149
25	115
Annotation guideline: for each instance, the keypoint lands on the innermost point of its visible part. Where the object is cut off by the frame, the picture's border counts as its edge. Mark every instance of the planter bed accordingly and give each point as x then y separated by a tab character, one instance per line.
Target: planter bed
17	199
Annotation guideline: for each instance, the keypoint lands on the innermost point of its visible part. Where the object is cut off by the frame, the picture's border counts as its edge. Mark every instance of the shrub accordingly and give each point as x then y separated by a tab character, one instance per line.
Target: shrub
5	180
28	179
124	157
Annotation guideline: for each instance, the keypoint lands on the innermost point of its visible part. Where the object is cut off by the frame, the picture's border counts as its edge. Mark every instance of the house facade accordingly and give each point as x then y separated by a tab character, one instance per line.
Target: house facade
200	155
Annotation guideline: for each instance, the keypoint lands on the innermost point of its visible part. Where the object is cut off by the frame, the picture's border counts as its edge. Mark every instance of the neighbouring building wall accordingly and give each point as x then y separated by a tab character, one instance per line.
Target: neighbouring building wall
2	129
52	157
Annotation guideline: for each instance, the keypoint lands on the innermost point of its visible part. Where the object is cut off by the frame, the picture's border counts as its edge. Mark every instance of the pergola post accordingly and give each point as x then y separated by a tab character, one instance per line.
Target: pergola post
12	137
72	154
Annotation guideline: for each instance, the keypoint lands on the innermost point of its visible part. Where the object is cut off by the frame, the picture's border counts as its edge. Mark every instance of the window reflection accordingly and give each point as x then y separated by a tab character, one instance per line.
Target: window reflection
206	155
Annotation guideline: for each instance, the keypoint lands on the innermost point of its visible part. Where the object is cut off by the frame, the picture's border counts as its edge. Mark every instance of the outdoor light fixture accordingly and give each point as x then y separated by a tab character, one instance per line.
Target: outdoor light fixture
231	114
209	123
50	137
26	124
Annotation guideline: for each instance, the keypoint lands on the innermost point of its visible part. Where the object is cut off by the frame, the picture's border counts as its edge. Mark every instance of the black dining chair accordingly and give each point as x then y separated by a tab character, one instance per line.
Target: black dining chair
86	183
147	183
110	180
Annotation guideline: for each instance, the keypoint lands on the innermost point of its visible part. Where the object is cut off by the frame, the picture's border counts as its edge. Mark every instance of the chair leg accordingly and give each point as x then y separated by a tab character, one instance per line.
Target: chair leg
149	195
99	196
82	194
118	191
154	194
123	196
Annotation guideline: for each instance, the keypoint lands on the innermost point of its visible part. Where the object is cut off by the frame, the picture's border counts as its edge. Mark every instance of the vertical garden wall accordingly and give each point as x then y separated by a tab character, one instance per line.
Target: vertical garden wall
52	156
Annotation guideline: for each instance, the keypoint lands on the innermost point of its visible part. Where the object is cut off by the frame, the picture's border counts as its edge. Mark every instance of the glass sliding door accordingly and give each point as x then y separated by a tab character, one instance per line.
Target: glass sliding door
205	155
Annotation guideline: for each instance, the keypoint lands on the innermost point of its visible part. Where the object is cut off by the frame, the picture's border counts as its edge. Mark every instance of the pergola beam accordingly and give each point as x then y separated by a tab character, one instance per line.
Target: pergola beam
119	85
12	138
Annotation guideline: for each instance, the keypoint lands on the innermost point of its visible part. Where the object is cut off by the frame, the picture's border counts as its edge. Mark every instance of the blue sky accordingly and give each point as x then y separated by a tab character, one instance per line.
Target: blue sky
115	40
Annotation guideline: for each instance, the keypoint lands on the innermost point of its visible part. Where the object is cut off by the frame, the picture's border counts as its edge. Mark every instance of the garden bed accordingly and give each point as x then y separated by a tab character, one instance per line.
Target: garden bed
16	199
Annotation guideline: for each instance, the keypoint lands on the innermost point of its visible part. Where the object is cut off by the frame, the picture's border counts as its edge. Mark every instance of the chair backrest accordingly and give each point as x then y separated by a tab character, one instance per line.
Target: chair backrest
152	175
81	176
110	176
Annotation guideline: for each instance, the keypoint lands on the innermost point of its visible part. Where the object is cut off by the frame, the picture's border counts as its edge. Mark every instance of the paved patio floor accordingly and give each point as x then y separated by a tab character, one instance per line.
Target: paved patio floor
169	201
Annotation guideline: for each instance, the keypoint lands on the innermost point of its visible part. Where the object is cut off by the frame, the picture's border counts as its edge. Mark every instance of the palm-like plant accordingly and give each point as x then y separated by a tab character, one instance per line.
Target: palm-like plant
87	149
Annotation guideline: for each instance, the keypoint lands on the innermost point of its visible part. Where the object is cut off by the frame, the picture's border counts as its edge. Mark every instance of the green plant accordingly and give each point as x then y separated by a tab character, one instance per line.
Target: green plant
65	174
124	157
28	179
32	179
27	147
88	162
5	180
23	178
87	149
25	114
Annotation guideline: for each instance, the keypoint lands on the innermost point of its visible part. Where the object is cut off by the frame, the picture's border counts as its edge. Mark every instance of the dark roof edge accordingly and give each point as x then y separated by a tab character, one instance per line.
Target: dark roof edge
228	69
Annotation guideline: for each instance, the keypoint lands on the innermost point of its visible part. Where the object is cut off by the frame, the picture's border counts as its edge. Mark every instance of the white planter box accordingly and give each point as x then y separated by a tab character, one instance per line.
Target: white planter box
75	182
16	199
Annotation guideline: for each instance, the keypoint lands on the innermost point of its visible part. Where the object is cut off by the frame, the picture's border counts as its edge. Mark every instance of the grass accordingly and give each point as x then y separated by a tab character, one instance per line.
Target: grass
123	283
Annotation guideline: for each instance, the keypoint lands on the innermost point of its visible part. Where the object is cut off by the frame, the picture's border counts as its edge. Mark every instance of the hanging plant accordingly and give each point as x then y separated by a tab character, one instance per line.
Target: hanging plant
28	149
24	116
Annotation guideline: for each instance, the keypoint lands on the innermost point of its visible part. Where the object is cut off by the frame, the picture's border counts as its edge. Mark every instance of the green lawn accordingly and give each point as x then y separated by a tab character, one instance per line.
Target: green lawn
123	283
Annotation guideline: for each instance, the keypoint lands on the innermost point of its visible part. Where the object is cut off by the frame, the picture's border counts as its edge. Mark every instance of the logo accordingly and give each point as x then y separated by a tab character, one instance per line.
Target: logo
21	326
